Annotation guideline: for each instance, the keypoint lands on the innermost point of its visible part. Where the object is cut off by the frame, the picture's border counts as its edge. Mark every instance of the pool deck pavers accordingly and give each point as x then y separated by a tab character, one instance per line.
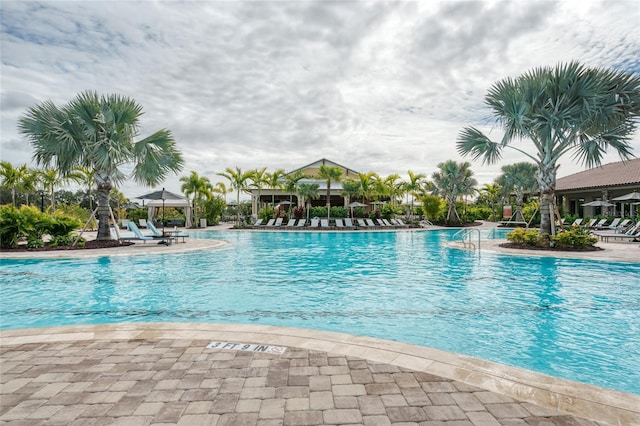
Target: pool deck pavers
163	373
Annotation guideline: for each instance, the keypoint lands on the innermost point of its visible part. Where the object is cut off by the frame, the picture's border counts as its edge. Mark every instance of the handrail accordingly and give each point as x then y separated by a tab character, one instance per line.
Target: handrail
466	235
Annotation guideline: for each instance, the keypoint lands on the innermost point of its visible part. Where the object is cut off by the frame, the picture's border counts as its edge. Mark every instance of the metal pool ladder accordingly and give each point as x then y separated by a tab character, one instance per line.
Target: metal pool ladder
464	235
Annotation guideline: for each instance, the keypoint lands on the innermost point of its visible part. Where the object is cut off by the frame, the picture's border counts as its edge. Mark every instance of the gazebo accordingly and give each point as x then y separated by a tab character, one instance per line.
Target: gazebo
158	204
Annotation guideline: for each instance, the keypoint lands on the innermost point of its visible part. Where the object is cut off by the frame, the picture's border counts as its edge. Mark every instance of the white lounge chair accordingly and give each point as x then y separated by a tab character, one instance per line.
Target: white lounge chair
324	223
142	223
362	223
301	223
370	223
271	222
258	222
314	223
576	222
591	223
614	224
291	223
278	221
387	223
339	223
137	234
600	223
348	223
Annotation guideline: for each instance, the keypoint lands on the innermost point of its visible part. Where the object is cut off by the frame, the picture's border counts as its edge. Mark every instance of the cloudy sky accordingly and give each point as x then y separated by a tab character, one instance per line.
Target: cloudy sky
374	86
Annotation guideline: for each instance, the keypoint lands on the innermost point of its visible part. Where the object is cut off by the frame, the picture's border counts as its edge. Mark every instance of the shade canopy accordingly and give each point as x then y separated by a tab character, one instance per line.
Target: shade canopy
357	204
160	195
632	196
598	203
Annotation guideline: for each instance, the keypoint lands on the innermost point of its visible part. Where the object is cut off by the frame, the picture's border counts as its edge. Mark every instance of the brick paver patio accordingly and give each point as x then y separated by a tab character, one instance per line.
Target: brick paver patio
176	381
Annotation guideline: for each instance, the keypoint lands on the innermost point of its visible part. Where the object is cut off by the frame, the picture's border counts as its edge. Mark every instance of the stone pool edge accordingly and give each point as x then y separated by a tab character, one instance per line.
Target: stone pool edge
586	401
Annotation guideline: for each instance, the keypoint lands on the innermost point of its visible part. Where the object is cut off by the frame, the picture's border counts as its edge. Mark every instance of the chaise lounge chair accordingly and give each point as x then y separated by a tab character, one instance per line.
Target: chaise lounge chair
157	234
370	223
135	234
278	222
348	223
258	222
339	223
301	223
291	223
362	223
314	223
324	223
271	222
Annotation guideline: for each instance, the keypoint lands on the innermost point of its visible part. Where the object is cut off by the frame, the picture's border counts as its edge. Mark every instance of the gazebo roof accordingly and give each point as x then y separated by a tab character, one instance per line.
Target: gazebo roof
608	175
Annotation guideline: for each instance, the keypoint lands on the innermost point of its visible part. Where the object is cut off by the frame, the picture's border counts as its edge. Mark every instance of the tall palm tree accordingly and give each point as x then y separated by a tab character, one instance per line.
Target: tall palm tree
12	177
259	178
98	132
413	185
521	179
492	193
392	187
453	180
367	189
239	181
350	188
52	178
86	177
329	174
198	186
568	108
221	188
291	183
308	192
274	181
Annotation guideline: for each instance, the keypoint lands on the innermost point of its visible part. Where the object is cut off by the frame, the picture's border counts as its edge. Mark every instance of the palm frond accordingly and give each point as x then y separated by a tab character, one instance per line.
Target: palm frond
156	156
473	141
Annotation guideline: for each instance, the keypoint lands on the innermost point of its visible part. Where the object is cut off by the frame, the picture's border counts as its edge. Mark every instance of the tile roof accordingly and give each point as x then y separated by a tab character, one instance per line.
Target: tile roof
607	175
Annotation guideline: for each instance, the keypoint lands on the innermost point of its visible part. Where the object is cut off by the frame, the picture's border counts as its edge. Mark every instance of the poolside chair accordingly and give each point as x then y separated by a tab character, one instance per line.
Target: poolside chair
370	223
380	222
258	222
591	223
301	223
614	224
339	223
142	223
387	223
348	223
175	234
400	222
324	223
623	224
600	224
271	222
576	223
278	221
156	234
362	223
291	223
314	223
137	234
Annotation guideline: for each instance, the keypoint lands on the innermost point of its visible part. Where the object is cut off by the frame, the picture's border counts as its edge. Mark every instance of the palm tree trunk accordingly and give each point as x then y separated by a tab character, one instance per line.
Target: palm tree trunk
52	195
547	181
104	188
328	199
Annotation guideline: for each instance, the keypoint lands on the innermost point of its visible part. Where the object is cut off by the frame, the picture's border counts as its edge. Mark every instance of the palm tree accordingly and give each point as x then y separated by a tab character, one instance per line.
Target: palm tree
291	183
98	132
414	185
12	177
51	178
239	181
329	174
492	193
221	188
198	187
521	179
569	108
308	192
366	186
350	188
86	177
392	188
259	178
274	181
452	181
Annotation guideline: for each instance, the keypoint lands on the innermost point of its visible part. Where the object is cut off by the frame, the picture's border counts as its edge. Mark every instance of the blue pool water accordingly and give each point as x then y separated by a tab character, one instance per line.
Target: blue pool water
569	318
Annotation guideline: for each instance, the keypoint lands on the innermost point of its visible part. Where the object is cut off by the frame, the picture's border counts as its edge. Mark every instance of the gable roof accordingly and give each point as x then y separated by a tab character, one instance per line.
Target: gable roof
608	175
323	161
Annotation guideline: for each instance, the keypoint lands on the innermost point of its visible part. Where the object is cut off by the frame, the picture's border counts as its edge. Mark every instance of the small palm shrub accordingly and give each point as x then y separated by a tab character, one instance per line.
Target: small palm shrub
522	236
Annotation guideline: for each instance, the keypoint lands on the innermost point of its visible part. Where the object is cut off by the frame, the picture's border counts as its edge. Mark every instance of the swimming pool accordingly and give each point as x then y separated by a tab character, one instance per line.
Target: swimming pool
569	318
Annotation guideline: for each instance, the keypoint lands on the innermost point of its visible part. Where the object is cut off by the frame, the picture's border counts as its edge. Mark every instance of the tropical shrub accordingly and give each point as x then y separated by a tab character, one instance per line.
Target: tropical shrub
358	212
135	215
478	212
267	213
298	212
338	211
318	212
28	222
529	210
432	206
212	210
574	238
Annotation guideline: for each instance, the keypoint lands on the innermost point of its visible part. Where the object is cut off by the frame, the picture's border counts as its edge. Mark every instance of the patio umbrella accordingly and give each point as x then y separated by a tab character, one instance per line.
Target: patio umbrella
598	203
355	204
161	195
632	196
